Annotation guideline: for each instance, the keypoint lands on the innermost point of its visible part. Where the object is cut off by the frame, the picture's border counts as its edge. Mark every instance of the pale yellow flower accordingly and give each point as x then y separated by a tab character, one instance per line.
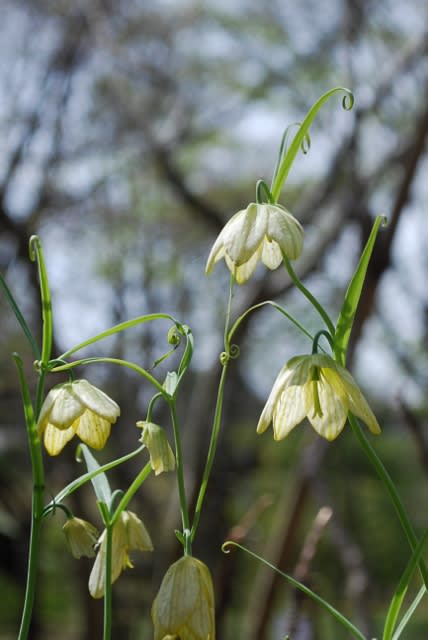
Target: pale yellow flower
81	537
317	388
259	232
129	534
161	455
184	605
76	408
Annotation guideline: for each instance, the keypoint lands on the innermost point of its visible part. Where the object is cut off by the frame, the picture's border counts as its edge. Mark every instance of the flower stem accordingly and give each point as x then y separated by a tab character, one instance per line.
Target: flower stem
314	302
217	416
135	485
180	478
36	503
108	586
211	452
391	489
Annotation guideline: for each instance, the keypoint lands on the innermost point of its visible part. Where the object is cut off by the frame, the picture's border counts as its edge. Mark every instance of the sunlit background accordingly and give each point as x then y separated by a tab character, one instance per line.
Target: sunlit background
129	133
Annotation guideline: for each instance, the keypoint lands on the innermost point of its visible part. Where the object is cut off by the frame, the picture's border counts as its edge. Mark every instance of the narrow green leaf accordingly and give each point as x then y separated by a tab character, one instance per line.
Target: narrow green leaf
16	310
352	297
78	482
410	611
401	590
347	624
302	136
123	326
99	481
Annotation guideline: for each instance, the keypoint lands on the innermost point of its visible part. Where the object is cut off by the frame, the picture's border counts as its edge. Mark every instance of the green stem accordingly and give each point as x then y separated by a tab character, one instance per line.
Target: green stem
391	489
78	482
108	586
211	452
299	284
123	363
276	306
118	328
36	503
136	484
180	479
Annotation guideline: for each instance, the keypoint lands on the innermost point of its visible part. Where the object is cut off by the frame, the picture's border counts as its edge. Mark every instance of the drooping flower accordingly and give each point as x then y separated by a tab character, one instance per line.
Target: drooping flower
129	533
161	455
259	232
81	537
318	388
184	605
76	408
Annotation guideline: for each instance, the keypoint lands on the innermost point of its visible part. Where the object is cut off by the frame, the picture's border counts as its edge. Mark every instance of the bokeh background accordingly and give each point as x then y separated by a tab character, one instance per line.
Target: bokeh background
130	131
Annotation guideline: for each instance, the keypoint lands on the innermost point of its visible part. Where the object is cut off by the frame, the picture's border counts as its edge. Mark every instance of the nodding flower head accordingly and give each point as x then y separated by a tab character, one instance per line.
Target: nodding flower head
317	388
184	605
76	408
259	232
129	534
81	537
161	455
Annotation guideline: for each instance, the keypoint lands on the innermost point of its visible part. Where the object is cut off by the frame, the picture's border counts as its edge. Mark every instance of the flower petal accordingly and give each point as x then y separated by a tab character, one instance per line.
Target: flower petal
290	410
46	408
271	254
93	430
358	404
66	407
55	439
334	408
278	387
96	400
244	271
285	230
245	233
137	535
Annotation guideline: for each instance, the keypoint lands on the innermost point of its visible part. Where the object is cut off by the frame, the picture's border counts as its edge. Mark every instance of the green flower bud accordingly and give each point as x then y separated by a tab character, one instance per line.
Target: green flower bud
81	537
184	605
161	455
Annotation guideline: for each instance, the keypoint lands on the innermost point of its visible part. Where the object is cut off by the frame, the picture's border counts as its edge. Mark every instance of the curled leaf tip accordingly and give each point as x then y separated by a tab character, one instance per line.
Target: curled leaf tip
234	351
174	336
348	100
33	245
306	143
226	546
263	193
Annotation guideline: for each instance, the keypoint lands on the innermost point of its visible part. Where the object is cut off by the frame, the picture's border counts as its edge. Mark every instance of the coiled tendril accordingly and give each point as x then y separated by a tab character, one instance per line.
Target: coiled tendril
174	336
233	353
